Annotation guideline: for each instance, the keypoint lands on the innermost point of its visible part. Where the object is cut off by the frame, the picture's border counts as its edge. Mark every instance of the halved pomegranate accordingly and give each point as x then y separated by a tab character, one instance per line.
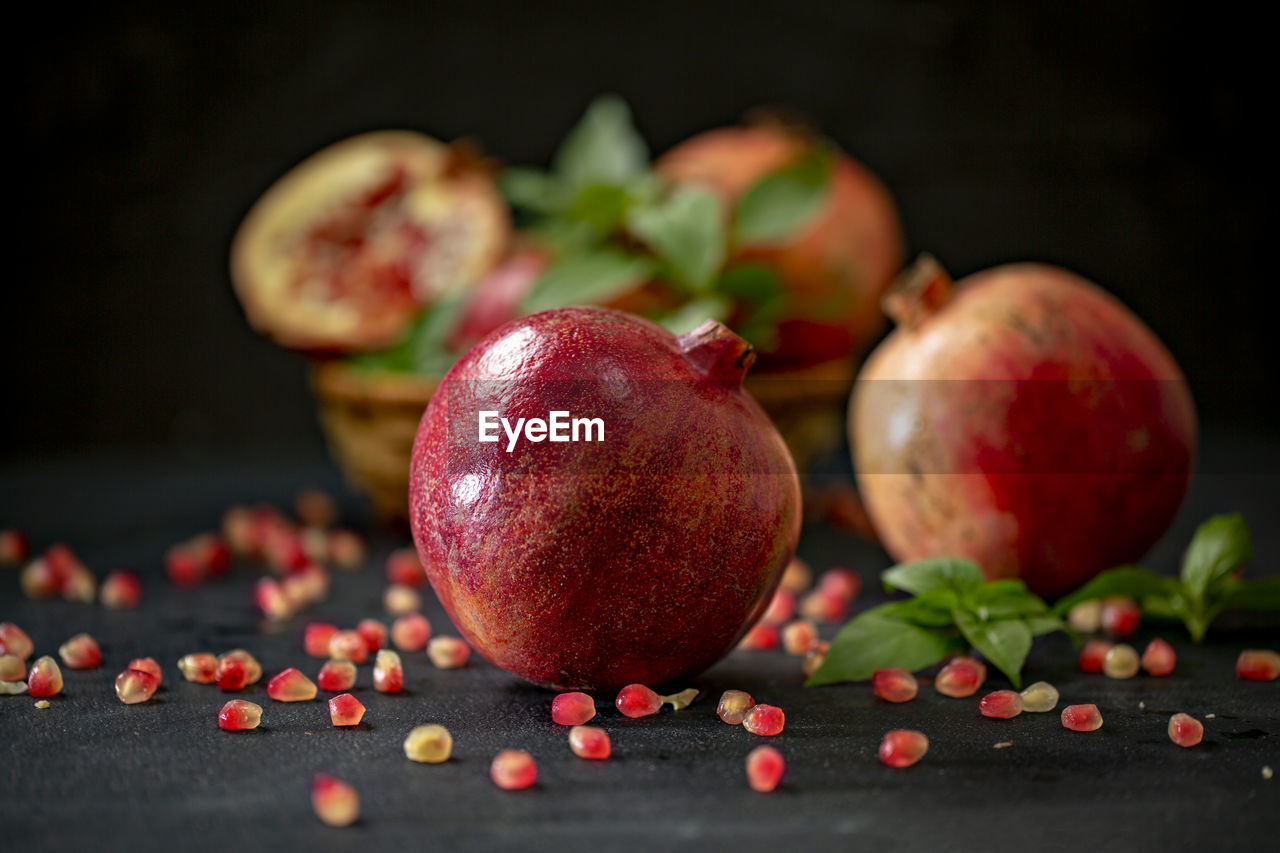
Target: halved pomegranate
341	253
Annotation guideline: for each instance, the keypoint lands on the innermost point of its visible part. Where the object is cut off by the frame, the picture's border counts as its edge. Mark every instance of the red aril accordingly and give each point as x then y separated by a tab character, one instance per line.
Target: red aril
513	770
733	706
345	710
1093	655
335	802
903	747
348	645
291	686
590	742
961	677
1258	665
1159	658
1185	730
336	676
410	632
1001	704
572	709
200	667
388	672
121	590
765	766
1082	718
239	715
448	652
764	720
762	636
403	568
45	678
14	641
823	605
134	686
636	700
781	607
13	547
799	636
148	665
374	634
1119	617
316	638
894	685
81	652
841	583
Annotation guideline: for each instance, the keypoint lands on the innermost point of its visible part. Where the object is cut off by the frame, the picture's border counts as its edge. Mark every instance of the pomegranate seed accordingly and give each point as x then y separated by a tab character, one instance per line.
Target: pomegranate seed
13	547
237	530
45	678
374	634
238	715
38	579
1159	658
762	636
781	607
270	597
1121	661
572	709
590	742
1258	665
734	705
841	583
79	585
388	673
403	568
1119	616
121	590
68	575
448	652
80	652
410	633
346	549
310	584
431	744
765	766
291	686
12	668
315	542
903	747
1001	704
335	802
253	668
399	599
14	641
232	674
337	676
814	657
1086	617
182	567
135	685
764	720
13	688
200	667
962	677
348	645
1093	654
894	685
148	665
1040	697
799	636
1082	718
210	553
1185	730
316	637
798	577
346	710
315	508
822	606
636	700
513	770
283	550
683	699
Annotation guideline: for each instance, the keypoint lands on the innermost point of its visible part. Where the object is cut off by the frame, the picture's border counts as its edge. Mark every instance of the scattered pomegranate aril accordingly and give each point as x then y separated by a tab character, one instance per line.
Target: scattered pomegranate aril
348	645
1039	697
636	700
71	579
815	657
316	637
430	744
764	720
903	747
1086	617
840	583
12	688
12	668
590	742
765	766
1258	665
448	652
79	585
572	709
346	710
411	632
135	685
121	590
1159	658
733	706
200	667
252	667
388	672
374	634
799	636
781	607
1185	730
894	685
232	675
310	584
822	606
346	549
960	678
45	678
797	577
237	531
38	580
513	770
404	568
148	665
284	550
335	802
315	542
1001	704
683	699
182	567
1082	718
210	553
238	715
13	547
1119	616
291	686
761	637
337	676
315	508
14	641
1093	654
270	597
80	652
1120	661
399	600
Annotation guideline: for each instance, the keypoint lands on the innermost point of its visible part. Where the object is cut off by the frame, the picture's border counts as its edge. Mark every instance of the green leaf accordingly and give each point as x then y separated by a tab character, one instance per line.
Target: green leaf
923	575
1044	624
874	640
1219	547
686	231
601	207
760	299
603	148
932	609
1132	581
692	314
1002	599
587	278
532	189
1004	643
422	348
777	205
1253	595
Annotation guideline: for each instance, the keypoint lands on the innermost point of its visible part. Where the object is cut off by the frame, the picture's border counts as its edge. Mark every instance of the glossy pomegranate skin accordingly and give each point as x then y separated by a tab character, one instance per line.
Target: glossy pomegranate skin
1030	422
582	566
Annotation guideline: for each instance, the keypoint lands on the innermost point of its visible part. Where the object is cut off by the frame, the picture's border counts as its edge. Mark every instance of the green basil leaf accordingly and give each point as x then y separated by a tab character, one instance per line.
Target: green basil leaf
694	313
601	207
923	575
1253	595
1004	642
777	205
603	148
1219	547
686	231
1132	581
932	609
422	348
760	297
1044	624
532	189
587	278
1002	599
874	640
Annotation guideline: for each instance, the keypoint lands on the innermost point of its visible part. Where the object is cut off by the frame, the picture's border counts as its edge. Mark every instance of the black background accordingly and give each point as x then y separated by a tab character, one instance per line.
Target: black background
1121	140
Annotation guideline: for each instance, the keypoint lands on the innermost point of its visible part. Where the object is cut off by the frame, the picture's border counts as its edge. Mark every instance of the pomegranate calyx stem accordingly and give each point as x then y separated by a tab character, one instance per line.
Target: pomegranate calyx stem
918	293
716	351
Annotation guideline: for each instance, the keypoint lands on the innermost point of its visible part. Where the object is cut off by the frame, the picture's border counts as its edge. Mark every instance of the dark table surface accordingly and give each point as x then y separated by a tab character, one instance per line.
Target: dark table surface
90	773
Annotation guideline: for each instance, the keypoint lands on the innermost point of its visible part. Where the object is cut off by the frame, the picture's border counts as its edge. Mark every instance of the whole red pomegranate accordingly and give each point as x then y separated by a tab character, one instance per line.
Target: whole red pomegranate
1022	418
640	555
834	267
